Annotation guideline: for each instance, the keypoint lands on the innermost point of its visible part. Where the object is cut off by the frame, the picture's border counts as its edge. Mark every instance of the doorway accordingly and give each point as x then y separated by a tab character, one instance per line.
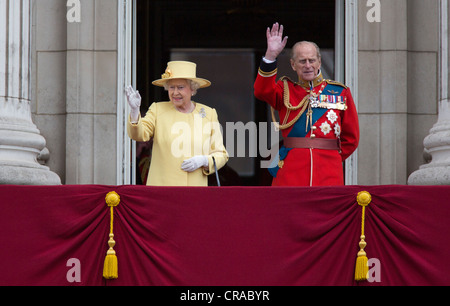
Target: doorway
227	41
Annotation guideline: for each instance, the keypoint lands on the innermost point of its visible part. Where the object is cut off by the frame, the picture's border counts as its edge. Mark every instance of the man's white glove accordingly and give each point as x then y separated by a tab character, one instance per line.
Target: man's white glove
134	101
192	164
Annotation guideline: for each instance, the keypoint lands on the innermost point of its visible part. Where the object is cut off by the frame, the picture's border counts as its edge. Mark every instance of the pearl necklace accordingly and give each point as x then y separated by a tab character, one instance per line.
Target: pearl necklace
189	111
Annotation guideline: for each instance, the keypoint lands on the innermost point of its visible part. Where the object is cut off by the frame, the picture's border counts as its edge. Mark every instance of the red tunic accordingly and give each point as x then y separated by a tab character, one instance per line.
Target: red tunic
311	167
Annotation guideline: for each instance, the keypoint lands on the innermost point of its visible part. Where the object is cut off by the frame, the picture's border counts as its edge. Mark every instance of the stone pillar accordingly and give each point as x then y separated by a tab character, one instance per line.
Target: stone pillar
91	95
437	143
20	140
383	95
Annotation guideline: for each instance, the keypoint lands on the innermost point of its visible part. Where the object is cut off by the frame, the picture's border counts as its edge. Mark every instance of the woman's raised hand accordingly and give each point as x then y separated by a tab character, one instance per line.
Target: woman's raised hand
134	101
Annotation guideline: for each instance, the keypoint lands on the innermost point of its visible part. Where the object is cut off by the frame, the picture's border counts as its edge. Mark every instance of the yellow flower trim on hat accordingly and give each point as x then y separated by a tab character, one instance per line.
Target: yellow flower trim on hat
167	74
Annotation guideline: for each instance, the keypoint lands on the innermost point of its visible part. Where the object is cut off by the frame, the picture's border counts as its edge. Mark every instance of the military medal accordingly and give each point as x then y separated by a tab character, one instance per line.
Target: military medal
313	103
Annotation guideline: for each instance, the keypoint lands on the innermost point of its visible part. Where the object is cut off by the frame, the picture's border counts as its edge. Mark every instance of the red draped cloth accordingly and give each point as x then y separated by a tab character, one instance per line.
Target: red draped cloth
224	236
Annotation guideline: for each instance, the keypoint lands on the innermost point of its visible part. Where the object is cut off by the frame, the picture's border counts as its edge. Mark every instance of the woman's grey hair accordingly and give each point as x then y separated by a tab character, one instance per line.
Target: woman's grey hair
193	84
319	56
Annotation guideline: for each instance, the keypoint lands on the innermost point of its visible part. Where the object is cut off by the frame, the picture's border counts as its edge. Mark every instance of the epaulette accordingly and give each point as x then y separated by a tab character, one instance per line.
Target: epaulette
336	83
286	78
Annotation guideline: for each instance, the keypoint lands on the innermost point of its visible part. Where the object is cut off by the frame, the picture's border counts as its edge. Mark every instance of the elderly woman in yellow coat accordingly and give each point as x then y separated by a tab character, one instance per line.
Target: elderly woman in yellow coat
187	139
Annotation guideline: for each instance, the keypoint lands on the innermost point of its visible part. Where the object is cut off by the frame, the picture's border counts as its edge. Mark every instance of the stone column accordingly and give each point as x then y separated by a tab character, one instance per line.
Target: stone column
383	94
20	140
91	94
437	143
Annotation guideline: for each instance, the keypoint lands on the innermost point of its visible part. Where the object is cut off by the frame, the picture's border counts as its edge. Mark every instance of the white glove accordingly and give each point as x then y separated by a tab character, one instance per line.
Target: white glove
192	164
134	101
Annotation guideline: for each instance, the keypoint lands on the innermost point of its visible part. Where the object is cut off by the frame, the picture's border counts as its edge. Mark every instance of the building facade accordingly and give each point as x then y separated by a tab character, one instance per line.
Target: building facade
392	54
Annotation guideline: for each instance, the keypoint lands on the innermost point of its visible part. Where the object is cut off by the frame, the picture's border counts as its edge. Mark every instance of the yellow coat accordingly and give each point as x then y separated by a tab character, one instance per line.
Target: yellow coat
176	137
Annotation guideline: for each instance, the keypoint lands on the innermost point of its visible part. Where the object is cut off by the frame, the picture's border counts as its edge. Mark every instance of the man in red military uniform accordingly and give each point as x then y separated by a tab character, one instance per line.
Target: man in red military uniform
318	117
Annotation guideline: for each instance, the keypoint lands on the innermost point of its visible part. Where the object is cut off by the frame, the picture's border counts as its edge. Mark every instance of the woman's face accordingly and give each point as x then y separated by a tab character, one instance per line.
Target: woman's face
180	93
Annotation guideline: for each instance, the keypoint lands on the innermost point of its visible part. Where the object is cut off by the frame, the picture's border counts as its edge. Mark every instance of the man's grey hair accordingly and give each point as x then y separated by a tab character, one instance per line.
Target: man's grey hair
319	56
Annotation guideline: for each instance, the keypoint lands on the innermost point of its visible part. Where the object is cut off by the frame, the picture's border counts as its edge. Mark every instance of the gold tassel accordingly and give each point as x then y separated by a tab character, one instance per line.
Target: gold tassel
362	267
110	267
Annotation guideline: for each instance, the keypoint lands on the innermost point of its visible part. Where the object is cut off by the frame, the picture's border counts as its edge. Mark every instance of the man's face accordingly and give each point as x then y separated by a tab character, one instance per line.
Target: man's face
305	62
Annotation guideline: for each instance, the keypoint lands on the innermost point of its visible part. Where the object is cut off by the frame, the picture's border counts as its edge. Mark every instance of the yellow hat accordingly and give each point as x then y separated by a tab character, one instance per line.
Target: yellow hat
181	70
